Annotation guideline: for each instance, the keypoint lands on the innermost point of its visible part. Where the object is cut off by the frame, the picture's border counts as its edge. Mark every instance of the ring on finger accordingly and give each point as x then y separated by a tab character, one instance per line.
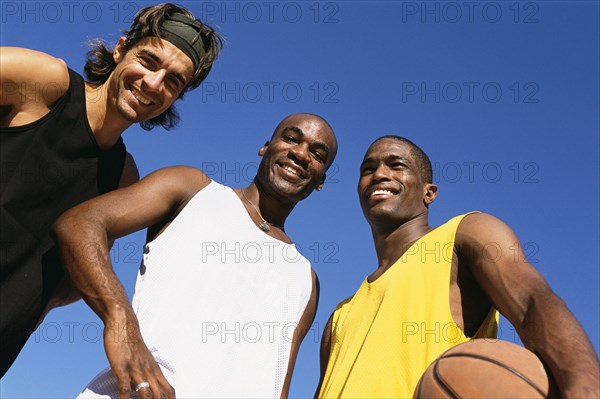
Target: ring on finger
142	385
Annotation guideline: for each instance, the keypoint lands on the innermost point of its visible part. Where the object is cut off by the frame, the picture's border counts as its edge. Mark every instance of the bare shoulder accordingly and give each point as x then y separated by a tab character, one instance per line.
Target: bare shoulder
183	171
24	64
478	227
30	71
181	177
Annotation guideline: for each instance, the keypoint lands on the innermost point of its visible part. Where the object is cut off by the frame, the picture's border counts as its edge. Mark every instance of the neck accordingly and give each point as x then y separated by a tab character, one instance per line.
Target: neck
392	244
273	211
106	123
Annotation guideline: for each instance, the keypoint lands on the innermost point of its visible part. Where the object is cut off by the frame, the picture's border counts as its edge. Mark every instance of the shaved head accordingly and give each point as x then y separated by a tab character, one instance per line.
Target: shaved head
291	122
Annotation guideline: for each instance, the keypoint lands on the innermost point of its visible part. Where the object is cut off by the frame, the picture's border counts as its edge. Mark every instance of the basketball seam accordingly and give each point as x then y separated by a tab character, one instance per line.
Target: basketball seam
497	363
442	383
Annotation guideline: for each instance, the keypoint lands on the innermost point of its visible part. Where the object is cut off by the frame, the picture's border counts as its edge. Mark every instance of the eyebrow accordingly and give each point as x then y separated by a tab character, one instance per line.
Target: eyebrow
150	54
157	59
294	129
297	130
387	158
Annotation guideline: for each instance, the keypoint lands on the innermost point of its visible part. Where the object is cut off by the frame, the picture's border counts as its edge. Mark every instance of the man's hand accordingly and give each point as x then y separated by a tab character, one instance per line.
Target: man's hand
132	363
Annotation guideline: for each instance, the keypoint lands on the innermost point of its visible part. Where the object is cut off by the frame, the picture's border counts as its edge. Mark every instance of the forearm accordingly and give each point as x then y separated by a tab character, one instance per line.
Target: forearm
84	249
551	331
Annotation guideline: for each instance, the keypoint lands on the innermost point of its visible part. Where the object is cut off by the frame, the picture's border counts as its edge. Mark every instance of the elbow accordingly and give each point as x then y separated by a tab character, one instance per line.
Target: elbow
77	238
63	227
72	226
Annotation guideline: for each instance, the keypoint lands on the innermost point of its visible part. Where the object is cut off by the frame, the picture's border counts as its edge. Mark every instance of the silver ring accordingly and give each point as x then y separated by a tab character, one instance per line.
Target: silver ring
142	385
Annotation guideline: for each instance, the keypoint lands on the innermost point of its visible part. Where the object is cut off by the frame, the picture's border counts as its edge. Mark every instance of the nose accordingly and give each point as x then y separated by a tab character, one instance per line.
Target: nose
300	154
153	80
381	172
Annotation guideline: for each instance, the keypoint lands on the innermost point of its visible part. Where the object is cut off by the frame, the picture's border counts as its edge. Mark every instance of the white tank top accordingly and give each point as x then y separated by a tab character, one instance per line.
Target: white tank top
218	300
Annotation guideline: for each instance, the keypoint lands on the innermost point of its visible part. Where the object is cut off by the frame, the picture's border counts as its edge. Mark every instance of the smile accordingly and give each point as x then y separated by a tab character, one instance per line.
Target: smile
381	193
139	97
292	170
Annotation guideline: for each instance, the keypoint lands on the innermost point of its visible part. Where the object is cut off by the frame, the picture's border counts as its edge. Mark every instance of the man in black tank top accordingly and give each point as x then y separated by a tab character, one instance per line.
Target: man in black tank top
61	146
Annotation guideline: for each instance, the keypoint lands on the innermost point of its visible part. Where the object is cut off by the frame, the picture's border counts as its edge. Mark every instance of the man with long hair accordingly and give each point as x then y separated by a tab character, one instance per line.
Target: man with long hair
60	141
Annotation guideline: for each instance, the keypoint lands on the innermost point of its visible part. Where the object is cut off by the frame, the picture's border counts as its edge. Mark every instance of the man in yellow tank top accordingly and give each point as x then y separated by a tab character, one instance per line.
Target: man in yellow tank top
437	287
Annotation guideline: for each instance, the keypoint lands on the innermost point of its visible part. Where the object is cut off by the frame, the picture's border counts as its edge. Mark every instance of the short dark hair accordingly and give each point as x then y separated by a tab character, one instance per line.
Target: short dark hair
423	161
100	63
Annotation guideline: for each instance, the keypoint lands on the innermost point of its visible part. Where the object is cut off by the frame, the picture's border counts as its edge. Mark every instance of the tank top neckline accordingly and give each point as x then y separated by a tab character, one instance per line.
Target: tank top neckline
372	283
248	218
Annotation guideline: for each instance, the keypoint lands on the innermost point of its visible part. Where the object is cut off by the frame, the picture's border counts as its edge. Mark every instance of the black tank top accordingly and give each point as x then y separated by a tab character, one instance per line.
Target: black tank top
46	167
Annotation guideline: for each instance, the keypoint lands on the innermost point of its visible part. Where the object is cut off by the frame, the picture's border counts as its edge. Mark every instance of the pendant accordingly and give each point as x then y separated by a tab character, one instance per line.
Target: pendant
264	226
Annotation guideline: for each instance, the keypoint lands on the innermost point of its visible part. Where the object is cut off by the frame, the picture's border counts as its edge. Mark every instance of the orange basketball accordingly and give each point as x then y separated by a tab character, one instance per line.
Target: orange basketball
484	368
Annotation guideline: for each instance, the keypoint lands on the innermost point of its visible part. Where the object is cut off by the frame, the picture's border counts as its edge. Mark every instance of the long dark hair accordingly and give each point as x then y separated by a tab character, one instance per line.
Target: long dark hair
100	63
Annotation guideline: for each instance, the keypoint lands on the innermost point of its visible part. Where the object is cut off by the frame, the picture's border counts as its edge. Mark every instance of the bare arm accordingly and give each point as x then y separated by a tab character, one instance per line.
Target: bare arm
325	351
492	252
83	234
30	83
300	332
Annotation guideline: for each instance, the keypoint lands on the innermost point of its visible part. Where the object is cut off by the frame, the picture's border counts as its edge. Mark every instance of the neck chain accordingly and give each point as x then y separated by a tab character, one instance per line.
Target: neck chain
264	225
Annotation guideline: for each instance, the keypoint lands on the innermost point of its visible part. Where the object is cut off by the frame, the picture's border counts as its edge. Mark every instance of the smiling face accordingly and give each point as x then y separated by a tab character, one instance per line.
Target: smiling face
148	78
296	158
391	188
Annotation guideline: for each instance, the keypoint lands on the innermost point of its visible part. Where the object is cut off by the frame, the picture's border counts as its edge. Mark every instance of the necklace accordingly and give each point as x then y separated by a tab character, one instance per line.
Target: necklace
264	225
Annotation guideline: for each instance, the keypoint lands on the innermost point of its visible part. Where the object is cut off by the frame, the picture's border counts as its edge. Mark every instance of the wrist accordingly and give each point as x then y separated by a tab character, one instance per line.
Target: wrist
117	316
122	327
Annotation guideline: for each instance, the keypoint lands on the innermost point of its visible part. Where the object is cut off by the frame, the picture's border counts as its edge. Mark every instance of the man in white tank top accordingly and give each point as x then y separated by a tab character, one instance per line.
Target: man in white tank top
218	255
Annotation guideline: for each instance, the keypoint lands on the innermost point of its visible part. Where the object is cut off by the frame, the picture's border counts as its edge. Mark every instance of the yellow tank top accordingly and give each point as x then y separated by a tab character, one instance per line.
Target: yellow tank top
384	337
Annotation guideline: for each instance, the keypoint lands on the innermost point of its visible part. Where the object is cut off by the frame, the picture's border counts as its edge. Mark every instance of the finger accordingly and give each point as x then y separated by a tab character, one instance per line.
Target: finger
166	389
160	385
125	390
147	392
155	390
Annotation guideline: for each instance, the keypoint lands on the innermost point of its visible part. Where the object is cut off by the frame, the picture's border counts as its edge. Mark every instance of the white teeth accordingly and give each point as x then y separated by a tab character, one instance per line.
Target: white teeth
291	170
381	192
140	98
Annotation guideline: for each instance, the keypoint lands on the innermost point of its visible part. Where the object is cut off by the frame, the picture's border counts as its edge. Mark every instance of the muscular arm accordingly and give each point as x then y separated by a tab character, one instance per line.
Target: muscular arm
30	83
83	234
545	325
300	332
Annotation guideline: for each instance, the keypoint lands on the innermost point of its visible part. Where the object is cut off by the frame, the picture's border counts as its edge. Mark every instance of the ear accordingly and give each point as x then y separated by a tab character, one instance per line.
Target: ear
263	149
430	193
320	185
119	51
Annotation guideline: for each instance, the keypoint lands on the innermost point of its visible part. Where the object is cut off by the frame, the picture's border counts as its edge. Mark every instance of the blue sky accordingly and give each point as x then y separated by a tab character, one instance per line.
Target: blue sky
503	96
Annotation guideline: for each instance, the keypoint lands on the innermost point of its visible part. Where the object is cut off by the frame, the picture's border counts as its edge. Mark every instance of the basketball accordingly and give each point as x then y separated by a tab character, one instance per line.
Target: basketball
484	368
